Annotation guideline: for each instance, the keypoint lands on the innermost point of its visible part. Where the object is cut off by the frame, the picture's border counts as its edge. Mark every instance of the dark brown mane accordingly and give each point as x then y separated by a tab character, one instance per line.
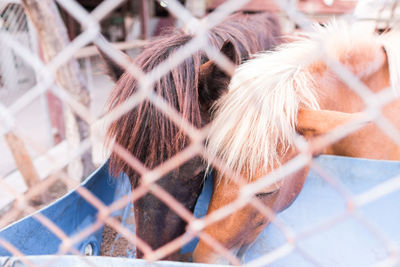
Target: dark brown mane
145	131
249	33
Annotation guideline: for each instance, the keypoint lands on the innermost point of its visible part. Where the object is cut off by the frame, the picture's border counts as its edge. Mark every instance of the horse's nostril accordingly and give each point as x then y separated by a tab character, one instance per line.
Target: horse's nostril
242	250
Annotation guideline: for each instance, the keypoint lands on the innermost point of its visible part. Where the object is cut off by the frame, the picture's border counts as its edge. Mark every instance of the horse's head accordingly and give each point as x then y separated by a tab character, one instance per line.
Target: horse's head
251	140
237	231
151	137
271	99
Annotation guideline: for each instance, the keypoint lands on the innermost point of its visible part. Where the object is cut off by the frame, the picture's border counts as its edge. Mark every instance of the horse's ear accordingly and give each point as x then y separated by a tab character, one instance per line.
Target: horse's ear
213	81
114	68
210	67
229	50
317	122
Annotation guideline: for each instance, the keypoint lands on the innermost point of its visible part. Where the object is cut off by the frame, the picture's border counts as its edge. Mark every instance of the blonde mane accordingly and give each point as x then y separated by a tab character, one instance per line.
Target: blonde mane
254	123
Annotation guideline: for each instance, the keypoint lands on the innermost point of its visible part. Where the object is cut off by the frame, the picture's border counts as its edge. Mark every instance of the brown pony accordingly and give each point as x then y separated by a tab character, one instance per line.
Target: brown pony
191	89
279	94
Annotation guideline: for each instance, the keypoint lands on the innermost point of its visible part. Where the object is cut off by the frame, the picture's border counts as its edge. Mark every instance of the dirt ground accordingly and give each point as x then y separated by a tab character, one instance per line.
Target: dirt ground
54	192
115	245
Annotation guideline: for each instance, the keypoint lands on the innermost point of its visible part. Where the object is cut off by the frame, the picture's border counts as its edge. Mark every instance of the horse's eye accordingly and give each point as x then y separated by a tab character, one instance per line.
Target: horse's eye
265	194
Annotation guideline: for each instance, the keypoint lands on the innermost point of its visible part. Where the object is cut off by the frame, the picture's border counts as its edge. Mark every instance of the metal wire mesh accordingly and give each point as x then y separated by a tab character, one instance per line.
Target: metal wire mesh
91	34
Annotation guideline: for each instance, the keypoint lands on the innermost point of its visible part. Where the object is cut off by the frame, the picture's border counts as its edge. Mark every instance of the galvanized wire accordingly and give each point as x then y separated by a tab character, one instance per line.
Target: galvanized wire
90	23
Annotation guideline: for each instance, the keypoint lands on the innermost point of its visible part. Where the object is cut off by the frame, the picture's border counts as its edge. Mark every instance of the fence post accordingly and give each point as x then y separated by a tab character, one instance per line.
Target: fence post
24	164
144	18
54	38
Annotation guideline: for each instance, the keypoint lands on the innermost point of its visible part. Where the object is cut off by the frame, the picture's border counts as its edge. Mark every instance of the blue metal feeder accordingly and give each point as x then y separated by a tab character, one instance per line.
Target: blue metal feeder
357	238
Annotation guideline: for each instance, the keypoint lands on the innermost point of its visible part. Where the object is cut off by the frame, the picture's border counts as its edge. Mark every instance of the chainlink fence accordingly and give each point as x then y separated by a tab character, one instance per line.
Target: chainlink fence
52	162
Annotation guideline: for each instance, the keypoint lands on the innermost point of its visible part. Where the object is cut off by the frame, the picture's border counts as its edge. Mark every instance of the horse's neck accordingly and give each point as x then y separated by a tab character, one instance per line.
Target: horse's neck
370	141
334	94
